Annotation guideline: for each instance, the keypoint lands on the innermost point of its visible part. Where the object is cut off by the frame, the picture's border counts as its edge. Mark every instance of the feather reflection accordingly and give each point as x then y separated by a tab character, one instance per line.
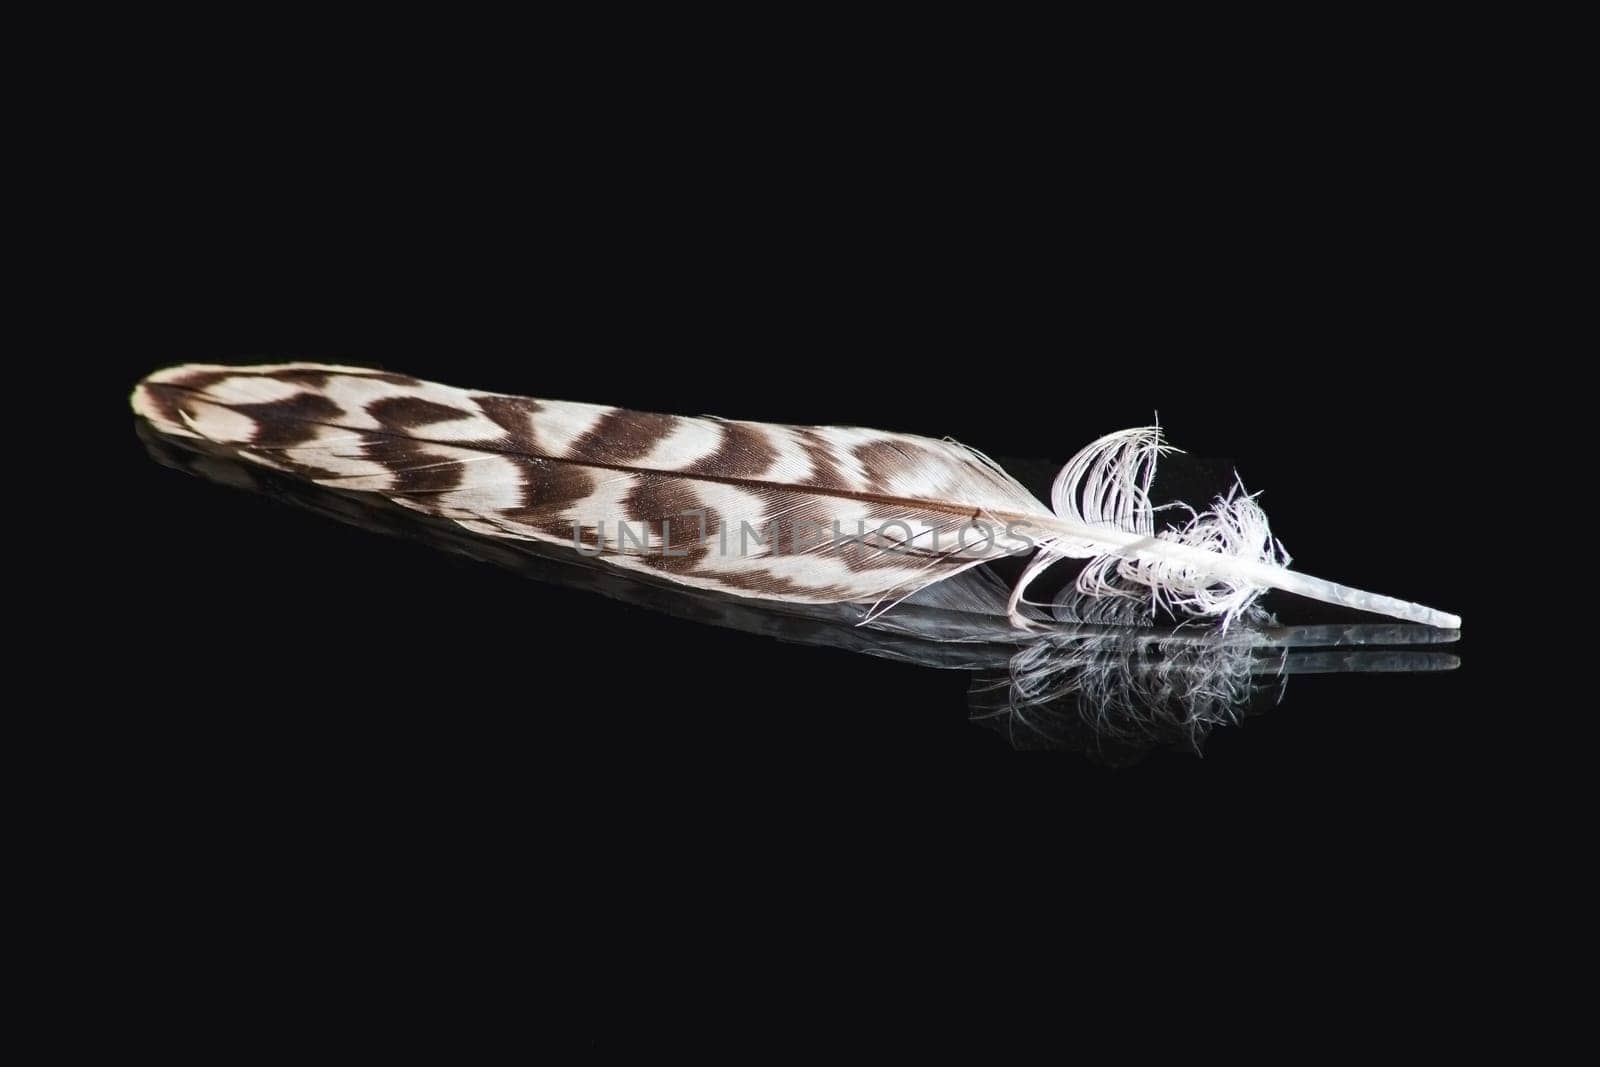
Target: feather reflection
1108	681
1095	675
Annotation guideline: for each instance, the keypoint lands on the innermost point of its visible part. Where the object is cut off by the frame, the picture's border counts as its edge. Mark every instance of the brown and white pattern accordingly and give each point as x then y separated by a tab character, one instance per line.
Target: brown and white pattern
688	490
576	473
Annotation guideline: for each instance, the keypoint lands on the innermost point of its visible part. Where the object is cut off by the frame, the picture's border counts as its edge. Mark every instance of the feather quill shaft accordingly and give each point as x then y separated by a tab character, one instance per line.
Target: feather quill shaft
801	514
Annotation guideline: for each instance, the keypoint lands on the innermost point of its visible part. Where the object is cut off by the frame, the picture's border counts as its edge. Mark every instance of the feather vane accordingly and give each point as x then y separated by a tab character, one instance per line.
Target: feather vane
796	513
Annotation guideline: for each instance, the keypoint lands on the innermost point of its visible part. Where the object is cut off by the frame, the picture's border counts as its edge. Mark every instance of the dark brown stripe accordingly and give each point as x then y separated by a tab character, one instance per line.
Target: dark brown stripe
743	453
414	468
663	505
623	436
288	422
548	488
563	530
514	415
825	472
410	412
166	401
882	459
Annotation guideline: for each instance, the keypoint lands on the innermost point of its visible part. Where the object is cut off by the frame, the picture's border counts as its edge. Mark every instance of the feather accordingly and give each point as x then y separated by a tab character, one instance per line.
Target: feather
958	624
810	515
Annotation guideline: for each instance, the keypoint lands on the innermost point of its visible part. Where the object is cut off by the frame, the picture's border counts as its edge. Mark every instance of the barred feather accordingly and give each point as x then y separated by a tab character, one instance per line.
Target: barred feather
573	473
803	514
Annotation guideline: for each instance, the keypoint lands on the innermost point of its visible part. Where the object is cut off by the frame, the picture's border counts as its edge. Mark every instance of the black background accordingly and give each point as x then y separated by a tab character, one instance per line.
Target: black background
1300	339
1309	337
1301	288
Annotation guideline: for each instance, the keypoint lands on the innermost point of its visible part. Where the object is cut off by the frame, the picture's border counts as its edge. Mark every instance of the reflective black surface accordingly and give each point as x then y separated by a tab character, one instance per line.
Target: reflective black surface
1096	675
315	773
304	665
430	623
